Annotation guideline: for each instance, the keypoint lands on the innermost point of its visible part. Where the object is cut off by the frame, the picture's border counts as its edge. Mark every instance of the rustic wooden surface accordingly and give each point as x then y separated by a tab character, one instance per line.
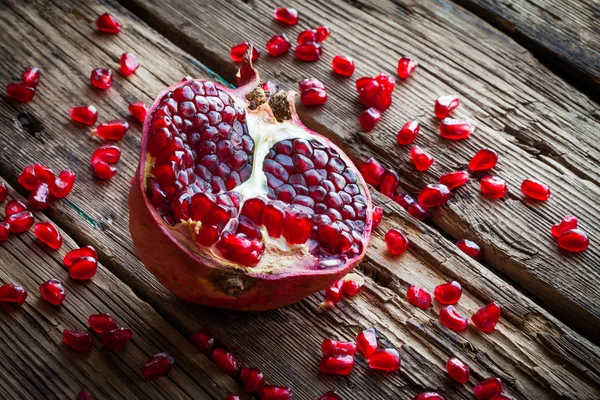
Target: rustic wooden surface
538	355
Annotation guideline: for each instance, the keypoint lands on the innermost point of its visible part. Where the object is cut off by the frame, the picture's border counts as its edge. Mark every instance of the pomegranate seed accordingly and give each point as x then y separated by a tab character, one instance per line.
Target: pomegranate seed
322	33
272	392
417	211
74	255
493	186
102	158
112	130
310	83
63	184
352	284
20	222
278	44
573	240
158	365
101	78
53	292
27	178
434	195
252	379
366	341
568	222
287	15
377	214
418	296
488	388
204	341
3	192
20	92
454	179
421	159
483	159
458	370
43	174
334	348
39	197
237	52
343	65
129	64
396	242
408	133
535	189
47	233
403	199
330	395
102	322
444	105
389	182
337	365
313	96
451	319
308	51
307	36
448	293
108	24
104	171
372	171
78	340
455	129
334	292
14	207
87	115
406	66
470	248
486	318
428	396
376	92
232	397
4	231
253	209
369	118
385	360
83	268
226	361
116	339
10	293
30	77
138	109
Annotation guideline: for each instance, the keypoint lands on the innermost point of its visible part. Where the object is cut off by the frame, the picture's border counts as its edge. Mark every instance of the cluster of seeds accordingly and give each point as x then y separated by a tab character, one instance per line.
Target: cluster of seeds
24	91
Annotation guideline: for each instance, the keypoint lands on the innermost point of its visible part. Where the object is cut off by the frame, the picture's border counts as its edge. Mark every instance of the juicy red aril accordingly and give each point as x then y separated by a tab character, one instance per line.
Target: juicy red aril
20	222
330	395
253	209
204	341
287	15
310	83
351	287
272	392
20	92
568	222
573	240
3	192
366	341
63	184
138	109
535	189
129	64
454	179
313	96
226	361
371	171
418	296
376	92
336	365
483	159
307	36
104	170
335	291
322	33
241	249
102	322
403	199
308	51
53	292
47	233
112	130
488	388
343	65
10	293
455	129
101	78
406	66
428	396
458	370
158	365
87	115
237	52
14	207
27	178
43	174
102	158
408	133
444	105
493	186
369	118
448	293
486	318
452	319
30	77
78	340
334	348
74	255
377	214
389	182
39	197
108	24
470	248
277	45
434	195
396	242
252	379
421	159
4	231
116	339
385	360
83	268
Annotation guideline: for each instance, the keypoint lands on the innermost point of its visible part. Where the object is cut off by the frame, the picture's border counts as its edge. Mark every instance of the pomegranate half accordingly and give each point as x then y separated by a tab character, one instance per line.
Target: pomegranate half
237	204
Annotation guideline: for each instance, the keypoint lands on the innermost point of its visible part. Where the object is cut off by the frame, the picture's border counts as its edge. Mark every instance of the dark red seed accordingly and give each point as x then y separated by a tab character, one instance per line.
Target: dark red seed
309	83
483	159
108	24
43	174
101	78
4	231
307	36
308	51
112	130
455	129
3	192
102	322
486	318
351	287
493	186
74	255
330	395
53	292
30	77
366	341
204	341
376	92
428	396
334	292
451	319
535	189
278	44
253	209
27	178
396	242
573	240
287	15
377	214
389	182
568	222
343	65
84	395
406	66
87	115
371	171
470	248
322	33
83	268
387	360
39	197
11	293
313	96
273	218
47	233
252	379
444	105
434	195
417	211
20	222
418	296
63	184
448	293
104	170
237	52
129	64
369	118
20	92
421	159
488	388
158	365
138	109
108	154
336	365
408	133
458	370
226	361
14	207
272	392
116	339
454	179
335	348
78	340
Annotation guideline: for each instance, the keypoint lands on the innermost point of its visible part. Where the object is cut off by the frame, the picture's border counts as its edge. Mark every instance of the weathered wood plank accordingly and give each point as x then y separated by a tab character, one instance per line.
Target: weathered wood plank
539	125
35	362
284	343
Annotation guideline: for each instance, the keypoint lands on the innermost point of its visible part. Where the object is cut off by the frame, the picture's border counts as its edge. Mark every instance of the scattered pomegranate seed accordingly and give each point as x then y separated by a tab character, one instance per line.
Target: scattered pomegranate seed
39	197
483	159
434	195
158	365
138	109
573	240
63	184
369	118
252	379
336	365
385	360
408	133
4	231
116	339
309	51
417	211
330	395
310	83
421	159
20	92
428	396
226	361
278	44
78	340
458	370
366	341
102	158
83	268
488	388
11	293
3	192
389	183
406	66
334	291
47	233
53	292
43	174
237	52
14	207
444	105
20	222
101	78
377	214
470	248
108	24
129	64
313	96
335	348
343	65
568	222
112	130
535	189
87	115
396	242
418	296
454	179
376	92
371	171
448	293
307	36
30	77
452	319
322	33
27	178
287	15
486	318
493	186
74	255
272	392
102	322
455	129
352	284
84	395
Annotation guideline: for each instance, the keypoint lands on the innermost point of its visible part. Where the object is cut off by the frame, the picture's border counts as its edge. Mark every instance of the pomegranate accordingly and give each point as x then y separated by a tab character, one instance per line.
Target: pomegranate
237	204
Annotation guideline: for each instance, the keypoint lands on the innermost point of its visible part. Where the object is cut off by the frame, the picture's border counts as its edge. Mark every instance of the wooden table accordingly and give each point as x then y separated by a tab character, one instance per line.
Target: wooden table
528	76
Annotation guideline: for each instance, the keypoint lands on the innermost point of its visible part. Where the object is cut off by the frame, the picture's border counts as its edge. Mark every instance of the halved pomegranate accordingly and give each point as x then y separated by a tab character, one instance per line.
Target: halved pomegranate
237	204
